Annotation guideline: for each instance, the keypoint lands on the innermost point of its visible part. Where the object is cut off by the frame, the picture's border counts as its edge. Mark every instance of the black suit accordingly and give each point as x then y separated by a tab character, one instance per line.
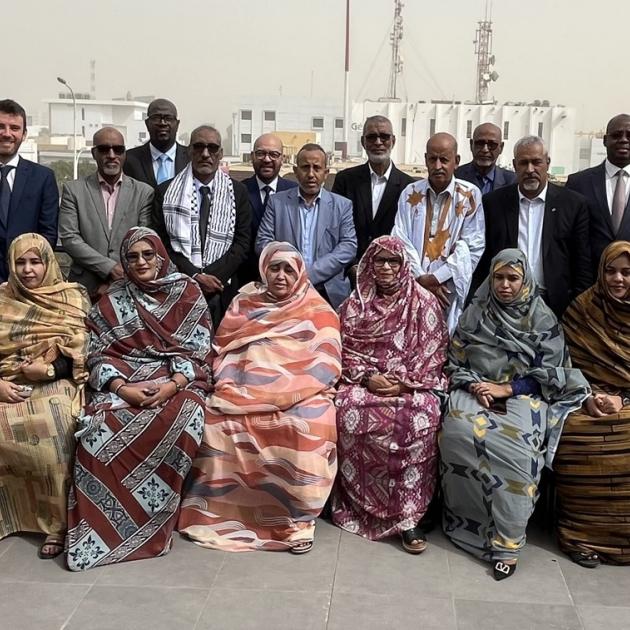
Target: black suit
224	268
591	183
469	172
355	184
565	241
139	163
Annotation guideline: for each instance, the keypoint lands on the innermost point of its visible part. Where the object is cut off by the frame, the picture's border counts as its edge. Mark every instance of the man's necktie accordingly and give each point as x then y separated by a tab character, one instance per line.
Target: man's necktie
163	172
619	200
5	193
267	191
204	213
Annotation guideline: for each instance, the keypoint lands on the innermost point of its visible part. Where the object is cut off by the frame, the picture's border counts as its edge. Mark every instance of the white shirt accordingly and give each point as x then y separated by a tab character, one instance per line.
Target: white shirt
273	185
530	225
11	176
170	164
378	186
611	181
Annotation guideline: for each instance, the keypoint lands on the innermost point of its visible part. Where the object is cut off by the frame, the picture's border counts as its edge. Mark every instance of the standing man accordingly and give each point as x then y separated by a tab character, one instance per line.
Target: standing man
267	159
606	188
29	197
97	212
318	223
547	222
440	220
486	146
203	217
162	157
373	187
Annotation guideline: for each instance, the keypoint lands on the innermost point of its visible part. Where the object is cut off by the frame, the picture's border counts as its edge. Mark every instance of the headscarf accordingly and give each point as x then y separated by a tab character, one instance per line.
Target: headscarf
45	322
498	342
401	335
597	327
271	354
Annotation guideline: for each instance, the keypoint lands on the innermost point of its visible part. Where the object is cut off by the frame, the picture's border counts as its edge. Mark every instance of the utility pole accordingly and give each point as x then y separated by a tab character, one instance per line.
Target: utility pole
485	58
395	39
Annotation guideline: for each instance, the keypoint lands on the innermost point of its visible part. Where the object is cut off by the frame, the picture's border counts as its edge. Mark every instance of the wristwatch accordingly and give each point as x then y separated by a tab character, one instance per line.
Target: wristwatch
50	371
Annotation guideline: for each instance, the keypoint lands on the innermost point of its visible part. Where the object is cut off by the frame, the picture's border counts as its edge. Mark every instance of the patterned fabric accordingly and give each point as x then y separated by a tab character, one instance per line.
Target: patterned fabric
131	462
268	457
181	217
491	459
36	443
388	445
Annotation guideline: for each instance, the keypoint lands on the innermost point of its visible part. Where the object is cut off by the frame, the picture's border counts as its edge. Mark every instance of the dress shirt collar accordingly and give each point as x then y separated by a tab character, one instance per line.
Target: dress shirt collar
315	201
198	184
489	175
103	182
13	161
386	174
542	195
449	189
273	184
612	170
155	153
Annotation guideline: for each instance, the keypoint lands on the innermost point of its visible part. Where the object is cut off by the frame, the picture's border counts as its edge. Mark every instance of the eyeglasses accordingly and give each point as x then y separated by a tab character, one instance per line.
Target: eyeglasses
200	147
274	155
118	149
380	262
134	257
158	118
373	137
480	144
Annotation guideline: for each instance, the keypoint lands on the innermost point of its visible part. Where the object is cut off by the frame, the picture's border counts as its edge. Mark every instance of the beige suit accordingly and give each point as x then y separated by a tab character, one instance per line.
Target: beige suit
85	235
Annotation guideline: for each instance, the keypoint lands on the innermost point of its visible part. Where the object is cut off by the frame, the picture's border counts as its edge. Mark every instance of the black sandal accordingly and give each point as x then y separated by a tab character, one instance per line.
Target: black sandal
56	544
586	559
414	540
503	570
302	547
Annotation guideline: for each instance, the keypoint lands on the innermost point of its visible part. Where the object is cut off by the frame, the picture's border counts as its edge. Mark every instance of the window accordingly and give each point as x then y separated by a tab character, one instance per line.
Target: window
540	129
246	114
506	129
246	138
270	116
142	135
338	123
403	127
340	146
585	153
318	122
469	129
431	126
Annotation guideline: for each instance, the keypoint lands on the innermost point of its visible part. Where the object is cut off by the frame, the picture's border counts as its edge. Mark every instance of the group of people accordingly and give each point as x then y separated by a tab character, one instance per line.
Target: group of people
227	357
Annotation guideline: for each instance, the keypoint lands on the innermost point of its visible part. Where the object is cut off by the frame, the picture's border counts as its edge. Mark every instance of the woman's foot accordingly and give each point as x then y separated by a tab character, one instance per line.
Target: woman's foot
587	559
52	547
503	569
302	547
414	540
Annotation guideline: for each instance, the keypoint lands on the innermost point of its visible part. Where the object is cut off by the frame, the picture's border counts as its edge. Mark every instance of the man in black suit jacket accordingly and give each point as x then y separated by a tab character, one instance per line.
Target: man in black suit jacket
29	197
547	222
373	187
486	146
599	183
267	159
162	157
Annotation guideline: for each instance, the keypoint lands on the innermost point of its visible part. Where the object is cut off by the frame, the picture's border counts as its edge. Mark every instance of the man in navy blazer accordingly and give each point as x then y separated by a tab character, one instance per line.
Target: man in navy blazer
598	184
486	146
267	158
318	223
29	197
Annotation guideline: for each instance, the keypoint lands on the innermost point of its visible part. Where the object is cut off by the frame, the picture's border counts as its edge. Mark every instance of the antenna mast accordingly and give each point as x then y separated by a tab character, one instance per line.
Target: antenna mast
485	58
396	40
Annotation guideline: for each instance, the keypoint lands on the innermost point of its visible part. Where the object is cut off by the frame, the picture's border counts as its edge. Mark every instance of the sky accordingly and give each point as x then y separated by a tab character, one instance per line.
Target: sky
209	55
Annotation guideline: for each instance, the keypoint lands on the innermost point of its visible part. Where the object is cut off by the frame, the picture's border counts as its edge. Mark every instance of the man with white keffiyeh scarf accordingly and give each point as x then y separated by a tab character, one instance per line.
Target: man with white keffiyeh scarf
203	217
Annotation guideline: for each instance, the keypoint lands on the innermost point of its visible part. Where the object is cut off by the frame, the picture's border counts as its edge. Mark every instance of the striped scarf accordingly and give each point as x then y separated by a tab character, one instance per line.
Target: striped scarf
181	217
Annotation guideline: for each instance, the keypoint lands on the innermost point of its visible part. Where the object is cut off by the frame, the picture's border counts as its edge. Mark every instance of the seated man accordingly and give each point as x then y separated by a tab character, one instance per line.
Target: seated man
318	223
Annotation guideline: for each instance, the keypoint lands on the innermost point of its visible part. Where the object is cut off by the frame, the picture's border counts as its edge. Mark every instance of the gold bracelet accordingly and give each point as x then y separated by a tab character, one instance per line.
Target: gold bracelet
119	388
178	387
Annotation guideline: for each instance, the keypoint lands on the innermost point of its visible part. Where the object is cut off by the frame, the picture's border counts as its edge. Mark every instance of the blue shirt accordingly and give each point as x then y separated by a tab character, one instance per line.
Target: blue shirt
170	162
308	224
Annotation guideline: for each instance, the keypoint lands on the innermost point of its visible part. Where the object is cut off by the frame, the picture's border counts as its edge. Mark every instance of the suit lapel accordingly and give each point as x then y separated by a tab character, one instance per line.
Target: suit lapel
147	165
19	183
598	181
364	194
94	191
390	194
324	212
549	221
122	203
181	159
511	216
293	213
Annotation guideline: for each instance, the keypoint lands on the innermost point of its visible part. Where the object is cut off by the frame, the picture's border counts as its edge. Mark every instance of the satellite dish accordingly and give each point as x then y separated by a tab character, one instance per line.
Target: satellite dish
494	75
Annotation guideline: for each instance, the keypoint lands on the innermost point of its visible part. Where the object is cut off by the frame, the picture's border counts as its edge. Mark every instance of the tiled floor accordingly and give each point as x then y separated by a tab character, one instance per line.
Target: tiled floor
344	583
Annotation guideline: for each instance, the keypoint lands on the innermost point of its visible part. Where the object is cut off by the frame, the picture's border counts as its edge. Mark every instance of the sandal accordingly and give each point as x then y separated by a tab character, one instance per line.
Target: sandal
503	570
414	540
302	547
52	547
587	559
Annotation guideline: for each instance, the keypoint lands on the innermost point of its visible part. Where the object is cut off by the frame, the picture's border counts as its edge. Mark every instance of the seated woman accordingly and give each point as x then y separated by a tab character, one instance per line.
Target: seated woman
511	389
394	342
149	345
268	458
43	342
592	465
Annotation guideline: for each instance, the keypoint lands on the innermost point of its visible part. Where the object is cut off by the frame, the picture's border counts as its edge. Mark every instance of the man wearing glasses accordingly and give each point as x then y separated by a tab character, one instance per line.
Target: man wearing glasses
96	212
162	157
486	146
267	158
203	217
373	187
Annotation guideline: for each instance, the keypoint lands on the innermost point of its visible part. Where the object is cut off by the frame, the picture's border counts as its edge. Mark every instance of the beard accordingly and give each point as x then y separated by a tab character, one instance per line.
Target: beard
379	158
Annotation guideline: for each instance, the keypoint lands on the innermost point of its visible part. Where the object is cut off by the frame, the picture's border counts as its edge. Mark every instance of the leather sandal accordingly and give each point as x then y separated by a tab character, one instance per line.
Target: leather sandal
414	540
587	559
302	547
52	547
503	570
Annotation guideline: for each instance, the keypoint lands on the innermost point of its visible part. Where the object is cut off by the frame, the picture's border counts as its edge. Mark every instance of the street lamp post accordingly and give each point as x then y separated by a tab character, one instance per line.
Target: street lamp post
75	159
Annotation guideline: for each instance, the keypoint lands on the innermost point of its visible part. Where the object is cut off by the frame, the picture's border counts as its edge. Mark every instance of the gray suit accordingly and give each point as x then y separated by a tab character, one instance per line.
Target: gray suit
335	237
83	228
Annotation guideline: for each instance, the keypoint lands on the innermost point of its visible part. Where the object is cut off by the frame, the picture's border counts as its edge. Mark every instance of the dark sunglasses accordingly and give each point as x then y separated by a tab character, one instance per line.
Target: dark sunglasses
157	118
118	149
199	147
383	137
393	262
480	144
134	257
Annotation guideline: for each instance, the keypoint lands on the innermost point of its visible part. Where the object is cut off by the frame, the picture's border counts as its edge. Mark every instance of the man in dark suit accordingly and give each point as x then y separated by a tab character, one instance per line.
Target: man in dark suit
373	187
267	159
203	217
29	197
547	222
486	145
162	157
606	188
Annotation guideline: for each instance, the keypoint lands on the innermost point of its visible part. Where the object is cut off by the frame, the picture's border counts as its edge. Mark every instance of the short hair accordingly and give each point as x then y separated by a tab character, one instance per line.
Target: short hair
377	118
312	146
7	106
206	128
527	141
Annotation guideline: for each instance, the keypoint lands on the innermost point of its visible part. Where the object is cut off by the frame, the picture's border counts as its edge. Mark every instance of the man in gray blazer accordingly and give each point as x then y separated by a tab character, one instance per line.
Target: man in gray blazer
95	213
318	223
